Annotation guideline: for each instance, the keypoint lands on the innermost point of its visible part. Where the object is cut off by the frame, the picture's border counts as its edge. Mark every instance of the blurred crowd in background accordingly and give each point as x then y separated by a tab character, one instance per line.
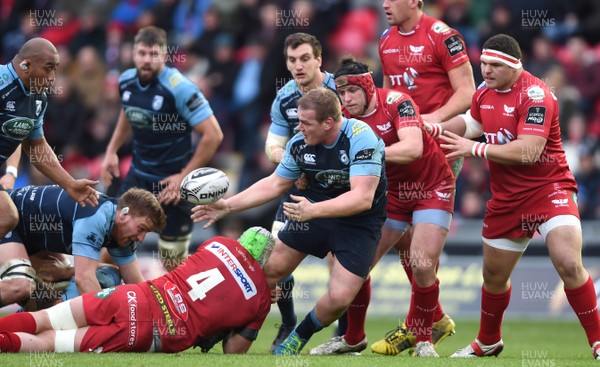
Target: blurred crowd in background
233	50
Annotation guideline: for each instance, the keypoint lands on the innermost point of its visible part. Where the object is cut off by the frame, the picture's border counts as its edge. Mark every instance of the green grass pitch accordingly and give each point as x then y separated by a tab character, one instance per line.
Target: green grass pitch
528	343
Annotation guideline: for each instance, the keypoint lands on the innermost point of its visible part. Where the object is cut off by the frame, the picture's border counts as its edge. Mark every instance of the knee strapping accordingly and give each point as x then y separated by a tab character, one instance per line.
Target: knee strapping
17	268
61	317
64	341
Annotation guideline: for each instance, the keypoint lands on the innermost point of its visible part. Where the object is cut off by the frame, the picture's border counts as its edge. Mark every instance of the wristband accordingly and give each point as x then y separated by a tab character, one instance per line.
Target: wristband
12	170
480	150
436	129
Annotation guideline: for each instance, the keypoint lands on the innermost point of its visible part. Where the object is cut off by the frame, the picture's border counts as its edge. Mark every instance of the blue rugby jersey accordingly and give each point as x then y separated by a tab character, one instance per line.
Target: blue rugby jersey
21	112
162	115
284	110
358	151
50	220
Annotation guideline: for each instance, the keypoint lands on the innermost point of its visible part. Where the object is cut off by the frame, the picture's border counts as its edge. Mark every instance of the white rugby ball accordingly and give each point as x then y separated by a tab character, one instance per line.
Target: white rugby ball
204	185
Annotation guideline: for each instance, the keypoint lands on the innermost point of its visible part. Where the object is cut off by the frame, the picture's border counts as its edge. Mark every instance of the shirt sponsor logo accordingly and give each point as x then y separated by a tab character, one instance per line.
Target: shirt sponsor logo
104	293
194	102
359	127
385	127
486	107
235	268
18	128
126	96
560	202
536	93
310	158
535	116
333	177
132	306
417	50
138	117
440	27
157	102
444	196
10	106
392	97
364	154
176	300
503	136
406	109
508	109
292	113
390	51
454	45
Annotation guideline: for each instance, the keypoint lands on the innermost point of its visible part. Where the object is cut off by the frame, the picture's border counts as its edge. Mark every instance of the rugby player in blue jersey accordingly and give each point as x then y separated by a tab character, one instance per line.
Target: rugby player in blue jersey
341	211
161	108
23	101
50	221
303	57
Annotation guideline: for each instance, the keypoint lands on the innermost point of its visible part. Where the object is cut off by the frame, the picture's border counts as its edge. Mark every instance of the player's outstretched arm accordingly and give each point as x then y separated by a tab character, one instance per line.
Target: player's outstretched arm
12	164
261	192
44	159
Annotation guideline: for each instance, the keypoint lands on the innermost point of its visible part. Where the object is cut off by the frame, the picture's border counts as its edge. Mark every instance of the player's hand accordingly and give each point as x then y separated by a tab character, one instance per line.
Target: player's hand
54	270
211	213
170	189
302	182
110	169
275	294
459	146
8	181
434	129
82	192
299	211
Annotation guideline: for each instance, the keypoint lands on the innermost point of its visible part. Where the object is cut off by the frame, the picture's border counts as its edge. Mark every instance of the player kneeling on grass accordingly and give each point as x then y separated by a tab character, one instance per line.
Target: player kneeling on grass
219	291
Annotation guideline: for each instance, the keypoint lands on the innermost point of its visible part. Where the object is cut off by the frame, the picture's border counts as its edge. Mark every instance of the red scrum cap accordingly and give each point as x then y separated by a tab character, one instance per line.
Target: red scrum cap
353	72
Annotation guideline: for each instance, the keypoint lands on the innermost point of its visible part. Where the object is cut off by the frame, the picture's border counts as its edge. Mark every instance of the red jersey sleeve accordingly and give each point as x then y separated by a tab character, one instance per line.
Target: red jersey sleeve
402	110
449	46
536	112
474	110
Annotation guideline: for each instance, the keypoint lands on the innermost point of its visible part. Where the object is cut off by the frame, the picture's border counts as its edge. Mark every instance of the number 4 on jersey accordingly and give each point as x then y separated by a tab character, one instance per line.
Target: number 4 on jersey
203	282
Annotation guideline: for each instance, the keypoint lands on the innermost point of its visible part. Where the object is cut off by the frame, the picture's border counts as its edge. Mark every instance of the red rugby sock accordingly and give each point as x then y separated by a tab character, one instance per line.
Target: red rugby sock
357	314
492	313
22	321
583	301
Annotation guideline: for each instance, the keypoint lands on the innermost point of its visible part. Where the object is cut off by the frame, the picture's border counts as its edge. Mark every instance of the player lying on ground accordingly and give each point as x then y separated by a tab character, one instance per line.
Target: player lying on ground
220	288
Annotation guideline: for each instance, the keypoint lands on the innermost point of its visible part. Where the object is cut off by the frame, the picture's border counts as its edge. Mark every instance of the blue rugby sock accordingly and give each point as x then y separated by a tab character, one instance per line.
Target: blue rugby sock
309	326
286	302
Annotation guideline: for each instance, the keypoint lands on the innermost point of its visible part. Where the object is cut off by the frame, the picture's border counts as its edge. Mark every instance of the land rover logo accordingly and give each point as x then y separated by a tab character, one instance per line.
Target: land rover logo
18	128
138	117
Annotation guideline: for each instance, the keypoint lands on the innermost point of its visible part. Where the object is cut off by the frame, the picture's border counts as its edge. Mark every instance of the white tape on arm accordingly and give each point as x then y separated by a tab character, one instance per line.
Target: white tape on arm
473	128
273	142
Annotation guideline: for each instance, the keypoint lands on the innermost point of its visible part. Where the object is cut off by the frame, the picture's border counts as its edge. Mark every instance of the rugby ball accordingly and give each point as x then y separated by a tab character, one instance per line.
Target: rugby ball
204	185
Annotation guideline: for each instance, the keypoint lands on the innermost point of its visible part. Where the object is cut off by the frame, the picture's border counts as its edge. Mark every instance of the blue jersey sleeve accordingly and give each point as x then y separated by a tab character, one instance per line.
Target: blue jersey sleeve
38	130
288	167
190	101
89	235
279	126
366	150
122	255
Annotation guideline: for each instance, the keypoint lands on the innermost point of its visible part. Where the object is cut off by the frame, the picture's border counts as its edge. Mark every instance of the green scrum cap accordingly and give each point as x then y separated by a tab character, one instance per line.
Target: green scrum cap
259	242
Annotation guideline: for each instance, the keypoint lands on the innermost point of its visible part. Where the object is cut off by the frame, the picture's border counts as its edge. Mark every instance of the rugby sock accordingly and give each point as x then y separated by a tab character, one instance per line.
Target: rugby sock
425	301
439	311
357	314
9	342
492	313
286	302
342	326
22	321
309	326
583	301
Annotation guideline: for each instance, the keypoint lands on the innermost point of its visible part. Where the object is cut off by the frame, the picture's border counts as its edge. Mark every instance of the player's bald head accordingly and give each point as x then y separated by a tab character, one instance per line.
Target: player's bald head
36	48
